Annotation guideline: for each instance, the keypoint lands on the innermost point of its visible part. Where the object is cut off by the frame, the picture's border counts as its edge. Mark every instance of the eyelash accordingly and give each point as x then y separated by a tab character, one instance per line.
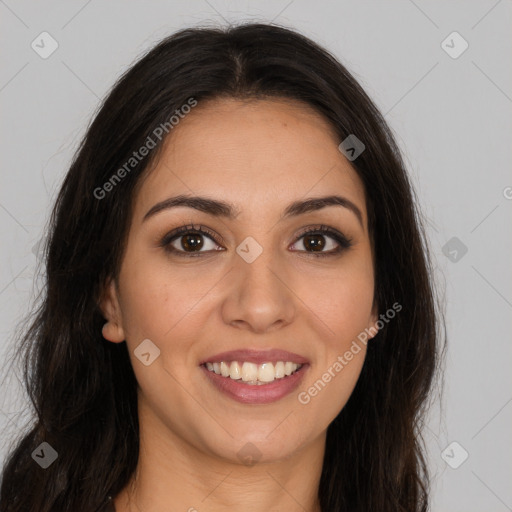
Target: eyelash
344	242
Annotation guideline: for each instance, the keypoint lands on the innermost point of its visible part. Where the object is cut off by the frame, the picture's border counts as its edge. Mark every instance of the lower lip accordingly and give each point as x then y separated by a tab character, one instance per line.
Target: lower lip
256	394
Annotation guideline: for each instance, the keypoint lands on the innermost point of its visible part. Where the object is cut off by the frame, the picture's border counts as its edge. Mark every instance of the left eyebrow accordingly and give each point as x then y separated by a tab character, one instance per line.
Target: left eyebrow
219	208
317	203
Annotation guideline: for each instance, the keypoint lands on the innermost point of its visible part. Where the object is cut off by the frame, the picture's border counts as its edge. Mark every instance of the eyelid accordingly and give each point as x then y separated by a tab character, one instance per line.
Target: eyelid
183	230
327	231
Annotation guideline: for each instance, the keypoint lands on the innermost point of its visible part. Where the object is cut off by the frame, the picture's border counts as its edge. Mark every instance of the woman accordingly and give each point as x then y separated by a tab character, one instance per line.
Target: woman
239	309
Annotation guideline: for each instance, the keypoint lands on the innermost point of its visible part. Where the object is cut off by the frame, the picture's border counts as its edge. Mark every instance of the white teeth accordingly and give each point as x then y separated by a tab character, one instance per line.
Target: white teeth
251	373
224	369
266	372
279	369
234	371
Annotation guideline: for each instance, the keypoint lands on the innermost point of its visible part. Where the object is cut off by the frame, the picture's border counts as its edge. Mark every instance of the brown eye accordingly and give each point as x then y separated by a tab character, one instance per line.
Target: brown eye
193	242
190	241
315	240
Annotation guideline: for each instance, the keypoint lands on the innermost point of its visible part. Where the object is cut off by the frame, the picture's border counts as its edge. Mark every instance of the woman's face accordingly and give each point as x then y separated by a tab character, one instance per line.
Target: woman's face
255	283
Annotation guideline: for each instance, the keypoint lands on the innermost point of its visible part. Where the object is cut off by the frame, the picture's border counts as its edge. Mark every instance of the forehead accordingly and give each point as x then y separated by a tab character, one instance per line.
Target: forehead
257	154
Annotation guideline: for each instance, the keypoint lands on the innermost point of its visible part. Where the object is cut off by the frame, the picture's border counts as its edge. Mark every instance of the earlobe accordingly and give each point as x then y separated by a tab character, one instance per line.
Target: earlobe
109	304
113	332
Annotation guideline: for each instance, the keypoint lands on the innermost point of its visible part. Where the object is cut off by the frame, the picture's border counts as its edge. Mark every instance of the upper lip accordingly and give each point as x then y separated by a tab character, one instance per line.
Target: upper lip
256	356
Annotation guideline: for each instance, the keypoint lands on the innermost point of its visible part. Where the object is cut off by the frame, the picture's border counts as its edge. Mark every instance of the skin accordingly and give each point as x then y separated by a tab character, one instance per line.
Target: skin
259	155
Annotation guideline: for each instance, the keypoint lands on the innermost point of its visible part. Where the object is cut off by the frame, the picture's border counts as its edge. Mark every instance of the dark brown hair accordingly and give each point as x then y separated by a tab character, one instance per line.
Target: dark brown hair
83	388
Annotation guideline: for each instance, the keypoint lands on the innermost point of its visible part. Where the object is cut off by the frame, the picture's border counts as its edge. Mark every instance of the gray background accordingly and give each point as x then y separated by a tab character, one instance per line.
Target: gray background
452	118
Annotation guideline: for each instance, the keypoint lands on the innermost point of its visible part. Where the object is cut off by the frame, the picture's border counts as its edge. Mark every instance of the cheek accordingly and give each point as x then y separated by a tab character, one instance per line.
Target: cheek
158	298
346	311
351	309
342	301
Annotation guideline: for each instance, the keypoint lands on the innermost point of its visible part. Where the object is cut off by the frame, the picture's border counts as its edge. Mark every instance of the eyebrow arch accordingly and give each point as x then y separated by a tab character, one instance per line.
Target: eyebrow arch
223	209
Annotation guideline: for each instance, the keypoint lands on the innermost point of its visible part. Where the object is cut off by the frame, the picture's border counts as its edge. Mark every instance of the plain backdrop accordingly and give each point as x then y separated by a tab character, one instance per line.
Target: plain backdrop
448	99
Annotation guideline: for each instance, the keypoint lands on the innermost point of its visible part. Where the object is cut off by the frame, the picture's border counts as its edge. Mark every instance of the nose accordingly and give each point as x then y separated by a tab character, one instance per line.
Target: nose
260	295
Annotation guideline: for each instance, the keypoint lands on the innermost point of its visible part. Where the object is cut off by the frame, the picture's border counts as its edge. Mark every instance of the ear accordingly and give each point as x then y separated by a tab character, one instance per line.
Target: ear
374	316
109	305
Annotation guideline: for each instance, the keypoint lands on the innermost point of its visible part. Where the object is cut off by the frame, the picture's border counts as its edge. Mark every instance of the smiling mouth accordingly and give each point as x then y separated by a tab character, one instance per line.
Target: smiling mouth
251	373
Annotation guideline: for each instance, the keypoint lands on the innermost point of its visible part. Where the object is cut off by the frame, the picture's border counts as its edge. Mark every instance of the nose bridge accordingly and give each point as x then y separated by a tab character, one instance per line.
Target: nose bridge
257	262
259	296
263	262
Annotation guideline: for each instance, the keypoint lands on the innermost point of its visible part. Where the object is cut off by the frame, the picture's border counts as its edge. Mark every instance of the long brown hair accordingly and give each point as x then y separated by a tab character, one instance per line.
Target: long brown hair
83	389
